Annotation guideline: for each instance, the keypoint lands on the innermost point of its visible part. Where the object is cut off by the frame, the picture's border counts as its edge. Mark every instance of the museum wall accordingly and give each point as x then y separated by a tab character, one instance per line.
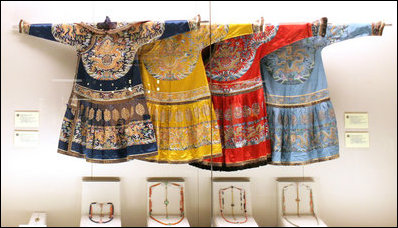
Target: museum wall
357	189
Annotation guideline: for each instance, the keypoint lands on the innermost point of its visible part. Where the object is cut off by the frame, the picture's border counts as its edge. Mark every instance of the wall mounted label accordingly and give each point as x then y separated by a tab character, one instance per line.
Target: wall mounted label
356	120
26	119
357	139
26	138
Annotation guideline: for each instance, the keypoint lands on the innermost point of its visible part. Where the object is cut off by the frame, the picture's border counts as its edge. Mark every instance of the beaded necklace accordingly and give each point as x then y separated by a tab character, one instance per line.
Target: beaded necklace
242	194
111	209
298	203
166	203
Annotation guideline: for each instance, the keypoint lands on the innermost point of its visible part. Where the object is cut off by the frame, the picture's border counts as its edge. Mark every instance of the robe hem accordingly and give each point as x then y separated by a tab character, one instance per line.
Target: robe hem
315	160
234	166
105	161
183	162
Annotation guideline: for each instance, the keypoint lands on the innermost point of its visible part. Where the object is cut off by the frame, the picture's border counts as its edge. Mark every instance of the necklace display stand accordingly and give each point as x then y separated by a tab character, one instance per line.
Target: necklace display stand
232	203
100	202
166	202
296	202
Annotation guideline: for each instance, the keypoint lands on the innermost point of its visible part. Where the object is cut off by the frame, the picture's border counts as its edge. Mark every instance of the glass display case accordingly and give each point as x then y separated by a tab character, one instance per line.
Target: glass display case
198	113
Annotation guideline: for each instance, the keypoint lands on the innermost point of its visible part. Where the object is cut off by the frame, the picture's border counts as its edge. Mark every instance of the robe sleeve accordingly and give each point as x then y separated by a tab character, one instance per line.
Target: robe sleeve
38	30
175	27
286	34
337	33
210	34
235	30
70	34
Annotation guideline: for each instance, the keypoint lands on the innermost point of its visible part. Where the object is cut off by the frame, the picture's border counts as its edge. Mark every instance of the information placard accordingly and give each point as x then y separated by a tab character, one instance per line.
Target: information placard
356	120
357	139
26	138
26	119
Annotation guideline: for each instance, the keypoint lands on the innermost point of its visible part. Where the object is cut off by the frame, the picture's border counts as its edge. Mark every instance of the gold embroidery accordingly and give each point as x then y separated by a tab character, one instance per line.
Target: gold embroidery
108	95
291	64
111	54
99	115
107	55
256	109
100	136
331	136
176	97
292	138
91	114
176	57
247	111
139	108
108	138
72	34
187	138
228	114
303	140
119	27
108	161
107	115
238	112
307	94
115	115
298	105
67	30
277	141
197	112
125	113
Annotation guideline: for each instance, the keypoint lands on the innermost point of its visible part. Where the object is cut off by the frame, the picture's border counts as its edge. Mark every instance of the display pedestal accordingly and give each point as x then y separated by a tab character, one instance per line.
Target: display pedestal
37	220
297	202
171	219
166	202
86	222
219	221
100	190
232	203
303	221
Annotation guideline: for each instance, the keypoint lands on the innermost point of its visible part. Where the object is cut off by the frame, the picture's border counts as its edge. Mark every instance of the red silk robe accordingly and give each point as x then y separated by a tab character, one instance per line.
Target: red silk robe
238	96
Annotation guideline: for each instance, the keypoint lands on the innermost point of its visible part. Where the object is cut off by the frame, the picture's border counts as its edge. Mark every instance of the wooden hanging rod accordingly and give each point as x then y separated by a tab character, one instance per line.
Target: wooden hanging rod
384	24
17	27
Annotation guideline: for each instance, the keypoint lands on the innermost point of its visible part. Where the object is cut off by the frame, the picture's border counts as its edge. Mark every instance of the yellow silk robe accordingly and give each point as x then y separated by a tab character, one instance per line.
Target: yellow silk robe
178	95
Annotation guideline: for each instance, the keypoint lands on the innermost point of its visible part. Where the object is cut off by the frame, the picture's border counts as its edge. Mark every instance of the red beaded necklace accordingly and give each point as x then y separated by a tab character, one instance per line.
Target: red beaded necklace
166	203
242	193
111	209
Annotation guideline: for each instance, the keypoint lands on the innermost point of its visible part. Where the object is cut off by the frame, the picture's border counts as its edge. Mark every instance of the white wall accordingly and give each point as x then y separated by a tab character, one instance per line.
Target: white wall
358	189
